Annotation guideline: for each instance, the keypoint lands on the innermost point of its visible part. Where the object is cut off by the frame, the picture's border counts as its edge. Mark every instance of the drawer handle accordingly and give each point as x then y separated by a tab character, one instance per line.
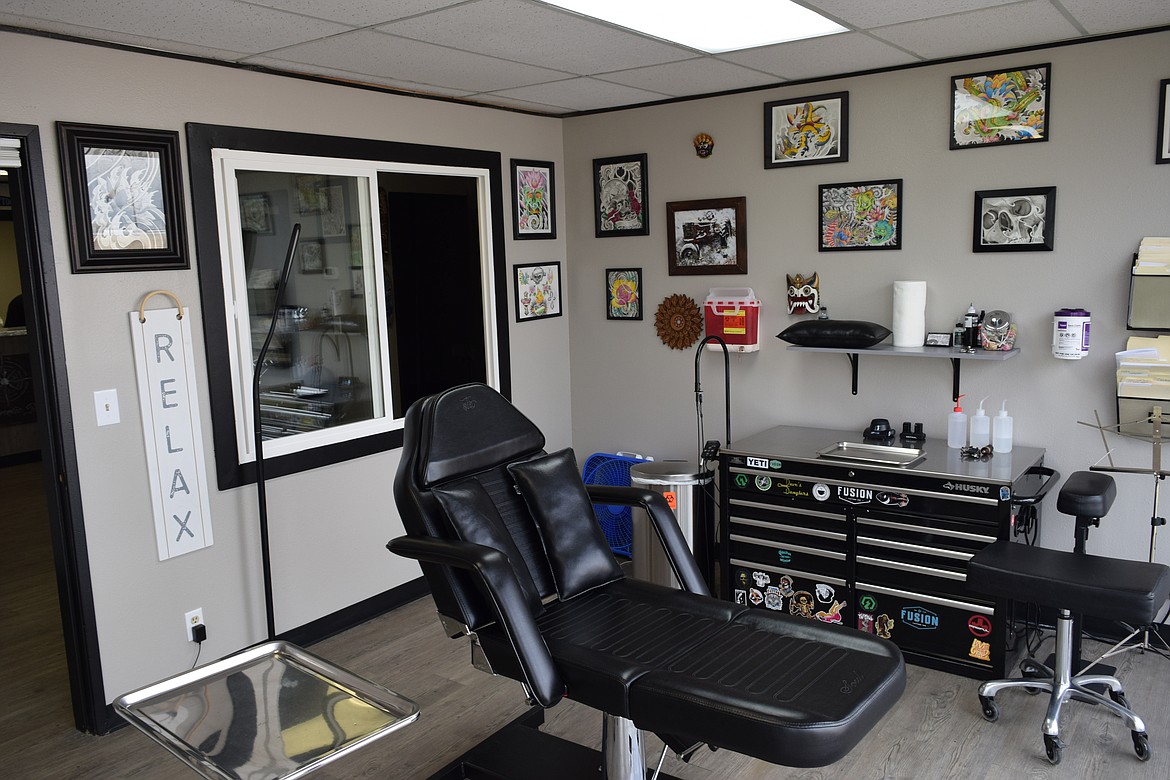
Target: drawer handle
950	575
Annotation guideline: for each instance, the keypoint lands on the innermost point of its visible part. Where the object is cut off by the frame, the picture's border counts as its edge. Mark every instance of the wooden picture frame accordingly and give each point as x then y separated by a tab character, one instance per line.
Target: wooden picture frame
806	131
623	293
1000	107
534	212
1020	219
621	192
123	198
707	236
860	215
538	291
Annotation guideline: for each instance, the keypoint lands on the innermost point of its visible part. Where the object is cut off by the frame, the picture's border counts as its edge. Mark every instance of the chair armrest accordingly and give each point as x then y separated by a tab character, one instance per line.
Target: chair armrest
665	524
497	582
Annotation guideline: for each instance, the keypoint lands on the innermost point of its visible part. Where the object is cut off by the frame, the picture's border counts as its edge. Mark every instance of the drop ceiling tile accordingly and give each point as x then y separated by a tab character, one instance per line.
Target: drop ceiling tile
535	34
358	79
691	77
137	41
581	94
214	24
382	56
1098	17
359	13
864	16
824	56
976	32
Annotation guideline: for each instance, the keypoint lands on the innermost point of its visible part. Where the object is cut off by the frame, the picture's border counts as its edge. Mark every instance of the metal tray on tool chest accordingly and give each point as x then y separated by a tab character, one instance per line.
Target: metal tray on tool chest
877	454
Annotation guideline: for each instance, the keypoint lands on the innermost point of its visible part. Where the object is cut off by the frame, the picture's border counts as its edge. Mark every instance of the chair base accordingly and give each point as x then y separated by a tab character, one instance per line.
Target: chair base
1063	687
520	751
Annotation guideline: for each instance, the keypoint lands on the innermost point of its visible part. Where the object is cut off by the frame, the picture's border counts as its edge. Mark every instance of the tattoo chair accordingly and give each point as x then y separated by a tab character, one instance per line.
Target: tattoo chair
516	560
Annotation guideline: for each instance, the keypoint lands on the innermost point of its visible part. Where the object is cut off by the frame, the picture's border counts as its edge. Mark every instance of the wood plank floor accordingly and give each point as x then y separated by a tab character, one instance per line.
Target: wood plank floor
935	731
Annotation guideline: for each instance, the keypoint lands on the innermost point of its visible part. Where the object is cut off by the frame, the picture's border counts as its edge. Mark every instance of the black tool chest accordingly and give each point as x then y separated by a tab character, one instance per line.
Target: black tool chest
875	547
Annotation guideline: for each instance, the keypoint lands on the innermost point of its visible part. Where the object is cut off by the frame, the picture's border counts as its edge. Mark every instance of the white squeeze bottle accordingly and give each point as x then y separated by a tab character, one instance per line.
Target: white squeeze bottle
957	426
980	427
1001	431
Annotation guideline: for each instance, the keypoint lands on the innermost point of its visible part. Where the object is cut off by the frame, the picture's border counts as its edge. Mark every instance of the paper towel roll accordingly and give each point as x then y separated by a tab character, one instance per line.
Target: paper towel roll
909	314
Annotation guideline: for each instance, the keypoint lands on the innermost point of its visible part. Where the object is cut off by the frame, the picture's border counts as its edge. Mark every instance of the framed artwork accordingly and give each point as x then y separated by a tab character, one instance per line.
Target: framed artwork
256	213
534	213
332	201
861	215
311	256
707	236
1006	107
309	192
620	192
538	291
623	293
1163	155
1015	220
806	131
123	198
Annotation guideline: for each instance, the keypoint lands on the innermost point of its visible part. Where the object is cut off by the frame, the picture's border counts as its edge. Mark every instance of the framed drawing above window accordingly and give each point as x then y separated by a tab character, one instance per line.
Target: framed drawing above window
123	198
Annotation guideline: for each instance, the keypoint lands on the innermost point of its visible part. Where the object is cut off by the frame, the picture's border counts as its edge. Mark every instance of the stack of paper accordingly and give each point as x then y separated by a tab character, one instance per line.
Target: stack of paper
1143	369
1153	257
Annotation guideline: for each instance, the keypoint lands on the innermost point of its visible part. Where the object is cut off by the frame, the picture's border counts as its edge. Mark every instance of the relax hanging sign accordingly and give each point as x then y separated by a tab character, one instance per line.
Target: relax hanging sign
170	425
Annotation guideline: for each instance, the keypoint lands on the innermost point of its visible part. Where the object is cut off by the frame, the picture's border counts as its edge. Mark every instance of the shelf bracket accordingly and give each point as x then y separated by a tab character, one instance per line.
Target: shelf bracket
955	379
853	367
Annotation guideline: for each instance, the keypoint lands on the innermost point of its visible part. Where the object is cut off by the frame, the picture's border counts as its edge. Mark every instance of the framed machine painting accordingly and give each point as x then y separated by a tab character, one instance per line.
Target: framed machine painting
620	192
623	293
806	131
1006	107
1015	220
861	215
707	236
538	291
534	213
1163	155
123	198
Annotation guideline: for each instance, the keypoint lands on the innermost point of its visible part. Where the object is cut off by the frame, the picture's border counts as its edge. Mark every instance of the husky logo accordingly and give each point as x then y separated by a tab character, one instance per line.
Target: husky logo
854	495
959	487
917	617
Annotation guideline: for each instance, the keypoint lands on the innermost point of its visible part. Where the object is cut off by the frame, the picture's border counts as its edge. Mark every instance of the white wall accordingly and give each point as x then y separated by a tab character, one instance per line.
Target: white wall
329	526
631	392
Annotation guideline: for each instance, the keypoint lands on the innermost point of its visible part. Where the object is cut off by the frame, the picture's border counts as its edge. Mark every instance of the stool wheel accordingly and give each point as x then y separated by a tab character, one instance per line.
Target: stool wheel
1141	745
990	709
1029	668
1119	697
1054	747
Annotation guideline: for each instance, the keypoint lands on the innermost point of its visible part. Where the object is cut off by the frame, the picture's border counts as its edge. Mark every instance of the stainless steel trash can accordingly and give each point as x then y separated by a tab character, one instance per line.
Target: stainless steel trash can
685	489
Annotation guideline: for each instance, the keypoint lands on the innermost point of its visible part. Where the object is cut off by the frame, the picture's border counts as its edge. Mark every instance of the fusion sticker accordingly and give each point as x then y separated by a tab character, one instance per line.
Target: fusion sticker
854	495
920	618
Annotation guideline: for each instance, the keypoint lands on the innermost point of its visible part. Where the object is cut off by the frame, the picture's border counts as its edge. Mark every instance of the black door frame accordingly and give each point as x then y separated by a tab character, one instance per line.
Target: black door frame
34	249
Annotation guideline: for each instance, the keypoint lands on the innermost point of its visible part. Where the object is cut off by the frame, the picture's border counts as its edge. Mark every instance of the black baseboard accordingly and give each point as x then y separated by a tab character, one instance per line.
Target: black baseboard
356	614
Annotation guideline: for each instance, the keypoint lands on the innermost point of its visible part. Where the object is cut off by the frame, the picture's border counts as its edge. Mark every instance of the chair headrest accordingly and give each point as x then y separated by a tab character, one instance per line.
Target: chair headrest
468	429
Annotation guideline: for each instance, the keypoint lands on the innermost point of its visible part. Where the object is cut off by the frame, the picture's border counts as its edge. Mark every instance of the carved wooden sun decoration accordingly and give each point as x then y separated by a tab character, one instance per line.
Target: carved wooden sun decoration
678	321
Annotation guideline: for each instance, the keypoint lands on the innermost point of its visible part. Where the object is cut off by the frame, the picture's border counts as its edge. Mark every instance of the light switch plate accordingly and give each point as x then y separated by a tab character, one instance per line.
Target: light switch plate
105	403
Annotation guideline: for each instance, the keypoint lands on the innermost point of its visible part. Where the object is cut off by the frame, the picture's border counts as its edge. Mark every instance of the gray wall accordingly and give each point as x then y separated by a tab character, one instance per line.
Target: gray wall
630	392
329	526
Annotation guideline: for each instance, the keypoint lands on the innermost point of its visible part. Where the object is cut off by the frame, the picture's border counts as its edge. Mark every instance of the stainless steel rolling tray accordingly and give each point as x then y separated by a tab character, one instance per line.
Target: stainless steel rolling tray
880	454
272	711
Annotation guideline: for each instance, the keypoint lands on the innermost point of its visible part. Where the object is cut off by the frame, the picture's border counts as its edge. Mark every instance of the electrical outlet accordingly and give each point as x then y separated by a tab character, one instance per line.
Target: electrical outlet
192	619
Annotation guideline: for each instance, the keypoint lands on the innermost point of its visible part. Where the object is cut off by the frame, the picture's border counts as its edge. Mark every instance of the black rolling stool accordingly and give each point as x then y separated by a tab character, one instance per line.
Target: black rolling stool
1122	590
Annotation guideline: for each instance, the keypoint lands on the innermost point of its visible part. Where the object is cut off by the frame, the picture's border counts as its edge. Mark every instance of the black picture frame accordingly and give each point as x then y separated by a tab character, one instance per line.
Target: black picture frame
1163	154
1019	219
538	291
623	293
822	135
123	198
256	213
1001	108
621	191
707	237
534	205
863	215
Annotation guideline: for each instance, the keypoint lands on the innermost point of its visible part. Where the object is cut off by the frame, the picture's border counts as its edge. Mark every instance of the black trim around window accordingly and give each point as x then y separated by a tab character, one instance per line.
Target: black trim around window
201	139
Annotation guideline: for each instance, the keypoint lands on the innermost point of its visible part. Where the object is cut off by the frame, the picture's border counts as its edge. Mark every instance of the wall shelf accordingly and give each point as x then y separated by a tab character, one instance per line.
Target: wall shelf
888	350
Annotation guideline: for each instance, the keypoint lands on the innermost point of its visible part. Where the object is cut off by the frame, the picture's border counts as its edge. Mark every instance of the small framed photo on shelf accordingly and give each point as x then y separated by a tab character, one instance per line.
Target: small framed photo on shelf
707	236
620	194
1163	155
123	198
1015	220
623	293
1004	107
861	215
806	131
538	291
534	214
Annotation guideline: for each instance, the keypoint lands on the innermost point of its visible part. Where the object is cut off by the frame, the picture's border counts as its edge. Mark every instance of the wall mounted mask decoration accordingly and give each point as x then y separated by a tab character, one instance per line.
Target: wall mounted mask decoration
804	294
704	145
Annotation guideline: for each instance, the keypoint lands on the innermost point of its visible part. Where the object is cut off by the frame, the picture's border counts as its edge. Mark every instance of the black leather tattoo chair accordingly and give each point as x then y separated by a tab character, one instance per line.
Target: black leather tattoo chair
516	561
